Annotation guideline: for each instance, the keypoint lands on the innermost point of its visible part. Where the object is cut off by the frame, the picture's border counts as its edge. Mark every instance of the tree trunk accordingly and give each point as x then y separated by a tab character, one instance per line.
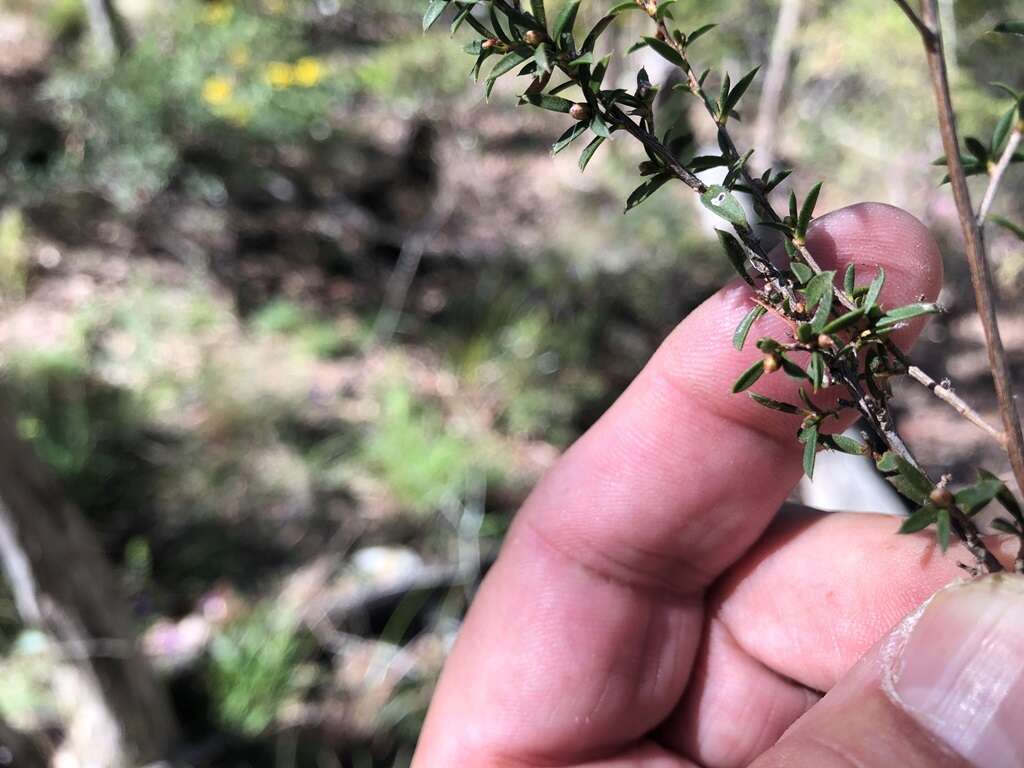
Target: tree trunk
20	750
107	28
767	126
62	585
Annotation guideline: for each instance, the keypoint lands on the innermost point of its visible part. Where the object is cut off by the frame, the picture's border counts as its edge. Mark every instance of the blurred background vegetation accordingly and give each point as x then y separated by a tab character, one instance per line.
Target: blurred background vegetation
297	318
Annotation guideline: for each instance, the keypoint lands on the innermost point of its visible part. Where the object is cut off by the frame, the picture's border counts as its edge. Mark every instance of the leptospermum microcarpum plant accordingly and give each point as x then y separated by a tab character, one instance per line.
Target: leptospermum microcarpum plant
839	325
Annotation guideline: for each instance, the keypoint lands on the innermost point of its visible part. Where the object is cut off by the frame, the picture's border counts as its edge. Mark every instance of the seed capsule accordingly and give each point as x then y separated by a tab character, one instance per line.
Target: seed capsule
771	363
825	341
488	44
580	112
534	37
941	497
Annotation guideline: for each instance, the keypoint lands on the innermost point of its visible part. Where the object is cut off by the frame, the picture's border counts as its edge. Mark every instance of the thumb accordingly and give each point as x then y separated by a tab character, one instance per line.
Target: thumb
945	688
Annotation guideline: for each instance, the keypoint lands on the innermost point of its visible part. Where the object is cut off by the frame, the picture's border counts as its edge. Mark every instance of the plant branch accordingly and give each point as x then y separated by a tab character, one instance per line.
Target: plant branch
981	275
949	397
927	33
998	173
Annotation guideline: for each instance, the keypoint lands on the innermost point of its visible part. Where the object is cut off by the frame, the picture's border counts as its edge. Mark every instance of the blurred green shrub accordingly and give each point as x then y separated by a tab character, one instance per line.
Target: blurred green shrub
412	451
204	73
255	667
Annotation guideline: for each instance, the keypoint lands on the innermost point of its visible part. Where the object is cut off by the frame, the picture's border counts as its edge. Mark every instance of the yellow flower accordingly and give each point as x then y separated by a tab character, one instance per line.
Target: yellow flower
218	12
278	74
239	56
218	91
308	72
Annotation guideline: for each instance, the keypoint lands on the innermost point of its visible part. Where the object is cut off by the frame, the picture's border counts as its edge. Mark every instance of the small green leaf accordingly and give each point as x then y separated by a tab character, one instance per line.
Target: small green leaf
791	369
809	437
541	58
1010	28
600	127
739	338
645	190
1009	226
721	201
739	89
775	405
666	51
589	151
905	477
737	254
627	5
942	528
874	290
803	273
434	10
846	445
843	321
1003	525
699	33
572	133
909	312
566	21
816	370
818	287
663	9
550	103
977	149
749	377
807	211
1002	129
1005	497
538	12
850	279
974	498
920	519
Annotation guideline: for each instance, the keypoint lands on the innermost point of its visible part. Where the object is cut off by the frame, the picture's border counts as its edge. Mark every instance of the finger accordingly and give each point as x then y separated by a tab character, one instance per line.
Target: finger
791	619
594	607
945	688
681	476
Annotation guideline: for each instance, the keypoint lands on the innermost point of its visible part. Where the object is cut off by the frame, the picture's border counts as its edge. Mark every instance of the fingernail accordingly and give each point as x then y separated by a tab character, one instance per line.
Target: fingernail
957	667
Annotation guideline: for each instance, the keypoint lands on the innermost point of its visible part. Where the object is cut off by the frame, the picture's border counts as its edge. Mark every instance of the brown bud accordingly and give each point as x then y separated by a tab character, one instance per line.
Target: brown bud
661	33
488	44
534	37
824	340
799	308
941	497
580	112
771	363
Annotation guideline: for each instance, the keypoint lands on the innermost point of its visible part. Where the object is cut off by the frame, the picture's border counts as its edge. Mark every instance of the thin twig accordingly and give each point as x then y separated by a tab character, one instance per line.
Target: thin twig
926	32
949	397
998	172
981	275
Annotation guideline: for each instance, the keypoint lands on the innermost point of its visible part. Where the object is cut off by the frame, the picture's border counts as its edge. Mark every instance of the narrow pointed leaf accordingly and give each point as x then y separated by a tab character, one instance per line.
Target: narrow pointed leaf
909	312
807	211
565	21
850	279
737	254
749	377
722	202
739	89
942	528
645	190
846	445
809	437
874	290
537	6
920	519
775	405
666	51
1010	28
843	321
572	133
434	10
589	150
739	338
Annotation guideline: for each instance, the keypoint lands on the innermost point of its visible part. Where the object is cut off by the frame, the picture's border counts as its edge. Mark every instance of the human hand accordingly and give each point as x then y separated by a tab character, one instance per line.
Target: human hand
650	609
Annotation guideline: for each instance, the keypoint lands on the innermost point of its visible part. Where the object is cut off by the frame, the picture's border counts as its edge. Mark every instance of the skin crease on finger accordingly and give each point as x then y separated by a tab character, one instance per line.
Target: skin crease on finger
583	637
